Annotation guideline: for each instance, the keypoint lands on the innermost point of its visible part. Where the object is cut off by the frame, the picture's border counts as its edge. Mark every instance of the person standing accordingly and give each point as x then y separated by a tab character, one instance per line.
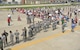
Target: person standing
32	18
23	34
1	43
17	36
25	30
30	33
28	18
44	27
11	37
9	16
5	34
54	25
4	40
63	26
12	10
49	18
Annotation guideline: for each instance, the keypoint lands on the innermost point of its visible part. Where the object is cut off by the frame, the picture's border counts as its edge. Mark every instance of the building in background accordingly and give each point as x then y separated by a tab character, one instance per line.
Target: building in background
14	1
22	1
11	1
38	1
44	1
48	1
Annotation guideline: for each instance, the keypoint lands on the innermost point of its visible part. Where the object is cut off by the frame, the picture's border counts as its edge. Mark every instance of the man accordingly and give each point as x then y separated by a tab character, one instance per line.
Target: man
44	26
48	23
4	40
12	10
11	37
36	27
5	34
9	16
54	25
49	18
1	44
28	20
30	16
39	26
30	33
25	30
17	36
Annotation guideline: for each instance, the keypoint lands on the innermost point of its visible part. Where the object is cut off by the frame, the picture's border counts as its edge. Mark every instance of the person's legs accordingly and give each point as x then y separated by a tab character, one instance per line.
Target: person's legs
12	41
24	39
63	29
8	23
72	30
58	22
6	42
16	39
55	26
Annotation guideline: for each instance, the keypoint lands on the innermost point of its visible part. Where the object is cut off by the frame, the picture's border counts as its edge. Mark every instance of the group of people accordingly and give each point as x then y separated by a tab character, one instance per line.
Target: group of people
55	16
4	38
50	18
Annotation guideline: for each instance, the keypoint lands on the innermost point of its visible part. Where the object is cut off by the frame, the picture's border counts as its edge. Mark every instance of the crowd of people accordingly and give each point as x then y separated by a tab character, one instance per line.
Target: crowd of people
50	18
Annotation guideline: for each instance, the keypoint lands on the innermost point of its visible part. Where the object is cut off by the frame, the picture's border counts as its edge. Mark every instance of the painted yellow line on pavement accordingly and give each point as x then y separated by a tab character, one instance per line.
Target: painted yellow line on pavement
27	44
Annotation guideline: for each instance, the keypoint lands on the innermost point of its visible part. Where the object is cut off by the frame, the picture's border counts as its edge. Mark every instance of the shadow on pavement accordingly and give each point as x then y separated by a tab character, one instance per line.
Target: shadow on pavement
8	49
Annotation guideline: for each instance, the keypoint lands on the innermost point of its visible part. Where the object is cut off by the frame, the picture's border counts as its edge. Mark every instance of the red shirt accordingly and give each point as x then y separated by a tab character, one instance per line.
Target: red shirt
8	20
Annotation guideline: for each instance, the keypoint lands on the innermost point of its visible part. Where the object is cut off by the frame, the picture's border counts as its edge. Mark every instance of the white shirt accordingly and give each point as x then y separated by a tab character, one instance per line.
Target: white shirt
50	14
52	18
9	15
56	11
30	13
